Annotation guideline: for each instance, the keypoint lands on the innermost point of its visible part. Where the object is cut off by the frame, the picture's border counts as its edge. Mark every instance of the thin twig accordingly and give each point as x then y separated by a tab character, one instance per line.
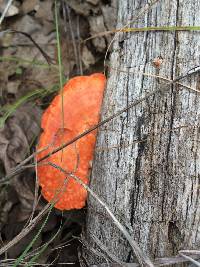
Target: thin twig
5	11
59	64
26	230
164	78
100	124
166	261
123	145
32	223
105	249
47	57
72	35
144	29
36	191
19	168
143	11
79	45
190	251
190	259
36	199
142	258
99	254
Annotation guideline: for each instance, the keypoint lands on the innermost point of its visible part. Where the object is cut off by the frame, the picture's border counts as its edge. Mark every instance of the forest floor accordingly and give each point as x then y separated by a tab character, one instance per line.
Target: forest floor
28	83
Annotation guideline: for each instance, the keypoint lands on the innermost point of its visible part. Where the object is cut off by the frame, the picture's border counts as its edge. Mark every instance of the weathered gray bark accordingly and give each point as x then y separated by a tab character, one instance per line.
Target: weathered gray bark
151	185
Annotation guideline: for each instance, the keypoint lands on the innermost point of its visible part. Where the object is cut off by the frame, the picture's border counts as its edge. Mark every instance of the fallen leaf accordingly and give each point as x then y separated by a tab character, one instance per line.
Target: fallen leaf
17	134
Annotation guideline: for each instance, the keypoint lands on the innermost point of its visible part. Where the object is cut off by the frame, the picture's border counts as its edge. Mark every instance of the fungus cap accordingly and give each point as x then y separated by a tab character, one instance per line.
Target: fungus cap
82	99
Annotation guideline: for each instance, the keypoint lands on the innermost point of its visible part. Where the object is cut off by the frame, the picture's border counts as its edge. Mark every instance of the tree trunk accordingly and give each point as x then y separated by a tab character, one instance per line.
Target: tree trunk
147	167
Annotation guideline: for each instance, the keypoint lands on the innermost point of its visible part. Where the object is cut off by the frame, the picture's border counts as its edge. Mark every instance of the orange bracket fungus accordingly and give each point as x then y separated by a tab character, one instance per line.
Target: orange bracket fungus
81	99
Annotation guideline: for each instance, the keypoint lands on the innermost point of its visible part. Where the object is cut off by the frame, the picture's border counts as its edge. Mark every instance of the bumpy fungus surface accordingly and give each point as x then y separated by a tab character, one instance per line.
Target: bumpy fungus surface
82	97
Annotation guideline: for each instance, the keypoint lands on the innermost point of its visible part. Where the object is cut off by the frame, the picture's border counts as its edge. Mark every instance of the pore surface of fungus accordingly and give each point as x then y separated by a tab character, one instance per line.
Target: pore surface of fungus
82	98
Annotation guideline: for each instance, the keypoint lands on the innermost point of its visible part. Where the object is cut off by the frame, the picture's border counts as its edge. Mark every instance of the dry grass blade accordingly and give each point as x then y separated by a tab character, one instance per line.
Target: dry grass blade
144	29
193	252
196	263
101	123
158	262
5	11
105	249
21	167
33	222
26	230
72	35
169	81
36	193
79	46
142	258
142	11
